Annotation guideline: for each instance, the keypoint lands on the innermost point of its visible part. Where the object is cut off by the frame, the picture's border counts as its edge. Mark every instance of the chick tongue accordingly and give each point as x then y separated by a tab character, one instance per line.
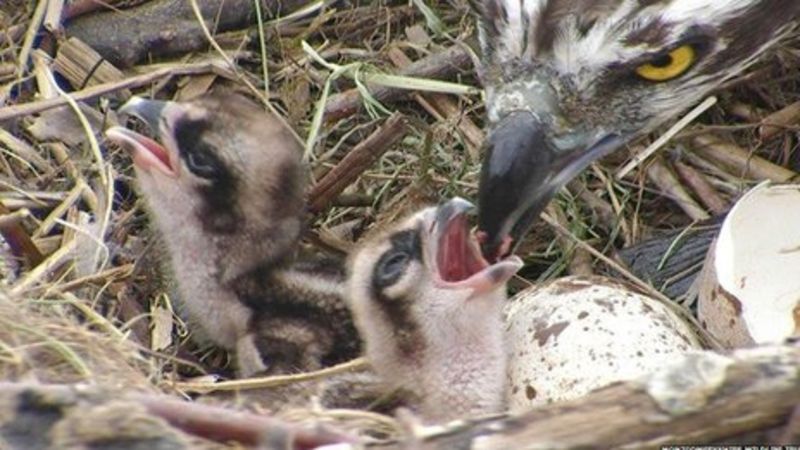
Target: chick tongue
459	262
456	259
146	153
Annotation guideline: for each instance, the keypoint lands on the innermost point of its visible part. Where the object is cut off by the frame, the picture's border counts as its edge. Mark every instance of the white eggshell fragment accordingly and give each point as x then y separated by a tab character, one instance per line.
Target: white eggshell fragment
577	334
757	261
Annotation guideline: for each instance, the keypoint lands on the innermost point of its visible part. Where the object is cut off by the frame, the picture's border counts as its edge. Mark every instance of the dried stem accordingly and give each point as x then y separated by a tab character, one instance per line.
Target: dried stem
356	161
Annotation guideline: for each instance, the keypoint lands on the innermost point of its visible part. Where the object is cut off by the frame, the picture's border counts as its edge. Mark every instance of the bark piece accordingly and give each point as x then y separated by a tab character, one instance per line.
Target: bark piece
703	398
83	66
72	416
161	28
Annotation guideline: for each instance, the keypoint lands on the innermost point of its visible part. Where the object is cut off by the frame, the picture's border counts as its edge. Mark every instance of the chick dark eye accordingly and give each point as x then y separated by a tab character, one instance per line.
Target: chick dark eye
391	267
202	164
200	157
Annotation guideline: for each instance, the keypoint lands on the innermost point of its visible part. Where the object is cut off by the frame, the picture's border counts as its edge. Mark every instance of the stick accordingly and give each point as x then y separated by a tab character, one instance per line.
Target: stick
703	398
746	164
437	65
662	176
357	161
664	138
225	425
695	180
25	109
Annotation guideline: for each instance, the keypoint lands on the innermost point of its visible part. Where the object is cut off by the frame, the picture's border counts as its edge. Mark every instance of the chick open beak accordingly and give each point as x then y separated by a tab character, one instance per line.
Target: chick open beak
147	153
455	254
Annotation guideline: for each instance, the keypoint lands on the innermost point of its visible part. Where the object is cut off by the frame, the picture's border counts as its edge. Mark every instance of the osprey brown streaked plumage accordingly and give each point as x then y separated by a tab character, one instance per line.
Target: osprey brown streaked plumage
225	185
568	81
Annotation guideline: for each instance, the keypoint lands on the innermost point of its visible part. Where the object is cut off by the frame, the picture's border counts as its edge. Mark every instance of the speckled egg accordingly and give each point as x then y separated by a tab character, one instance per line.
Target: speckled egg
576	334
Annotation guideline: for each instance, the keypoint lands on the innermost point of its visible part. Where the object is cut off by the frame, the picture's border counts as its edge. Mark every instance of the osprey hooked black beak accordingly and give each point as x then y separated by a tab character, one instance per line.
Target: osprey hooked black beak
524	166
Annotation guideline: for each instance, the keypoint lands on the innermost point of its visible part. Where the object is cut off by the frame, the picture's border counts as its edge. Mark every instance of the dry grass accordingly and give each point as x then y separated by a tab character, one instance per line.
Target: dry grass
89	308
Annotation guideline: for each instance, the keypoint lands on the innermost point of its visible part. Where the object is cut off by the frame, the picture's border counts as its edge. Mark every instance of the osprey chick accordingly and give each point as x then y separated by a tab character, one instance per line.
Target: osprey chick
224	182
429	309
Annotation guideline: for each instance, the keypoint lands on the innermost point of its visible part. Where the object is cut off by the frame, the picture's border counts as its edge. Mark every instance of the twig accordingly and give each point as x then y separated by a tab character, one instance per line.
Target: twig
25	109
30	37
60	153
11	35
735	157
52	219
116	273
779	120
270	382
83	66
668	183
24	152
50	407
700	185
437	65
52	18
223	425
444	107
45	267
664	138
361	157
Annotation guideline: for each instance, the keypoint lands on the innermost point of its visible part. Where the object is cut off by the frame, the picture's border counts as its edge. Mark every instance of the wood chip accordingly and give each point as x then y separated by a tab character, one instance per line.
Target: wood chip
161	326
777	122
84	67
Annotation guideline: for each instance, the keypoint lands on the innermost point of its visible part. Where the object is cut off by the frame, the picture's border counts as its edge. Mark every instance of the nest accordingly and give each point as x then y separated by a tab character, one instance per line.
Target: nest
84	298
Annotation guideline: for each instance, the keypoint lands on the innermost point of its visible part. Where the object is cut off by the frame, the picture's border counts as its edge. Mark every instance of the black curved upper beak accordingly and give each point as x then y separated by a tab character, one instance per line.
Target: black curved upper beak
522	170
148	111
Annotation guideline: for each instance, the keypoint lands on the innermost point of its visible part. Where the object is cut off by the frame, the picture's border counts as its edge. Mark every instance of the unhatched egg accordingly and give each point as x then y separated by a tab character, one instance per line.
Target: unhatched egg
576	334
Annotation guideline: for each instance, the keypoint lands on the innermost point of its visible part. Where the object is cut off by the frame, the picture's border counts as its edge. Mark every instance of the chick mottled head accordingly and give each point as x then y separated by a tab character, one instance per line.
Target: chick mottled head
428	307
222	170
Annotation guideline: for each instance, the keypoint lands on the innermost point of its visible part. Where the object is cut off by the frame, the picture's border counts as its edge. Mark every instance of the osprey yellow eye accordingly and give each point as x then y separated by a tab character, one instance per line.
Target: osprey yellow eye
668	66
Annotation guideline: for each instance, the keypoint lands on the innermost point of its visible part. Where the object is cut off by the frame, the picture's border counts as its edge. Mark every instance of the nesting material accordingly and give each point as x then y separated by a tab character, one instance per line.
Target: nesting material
44	342
577	334
750	288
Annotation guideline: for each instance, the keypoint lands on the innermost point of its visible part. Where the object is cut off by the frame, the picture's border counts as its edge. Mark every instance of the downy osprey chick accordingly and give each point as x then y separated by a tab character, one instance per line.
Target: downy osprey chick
429	309
224	182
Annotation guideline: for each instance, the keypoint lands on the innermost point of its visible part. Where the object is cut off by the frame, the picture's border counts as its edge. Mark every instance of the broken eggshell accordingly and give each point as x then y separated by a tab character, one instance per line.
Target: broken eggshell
750	291
576	334
719	313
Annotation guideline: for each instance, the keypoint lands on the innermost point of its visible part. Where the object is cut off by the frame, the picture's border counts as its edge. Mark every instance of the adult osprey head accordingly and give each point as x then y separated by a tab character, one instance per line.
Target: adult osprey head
568	81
